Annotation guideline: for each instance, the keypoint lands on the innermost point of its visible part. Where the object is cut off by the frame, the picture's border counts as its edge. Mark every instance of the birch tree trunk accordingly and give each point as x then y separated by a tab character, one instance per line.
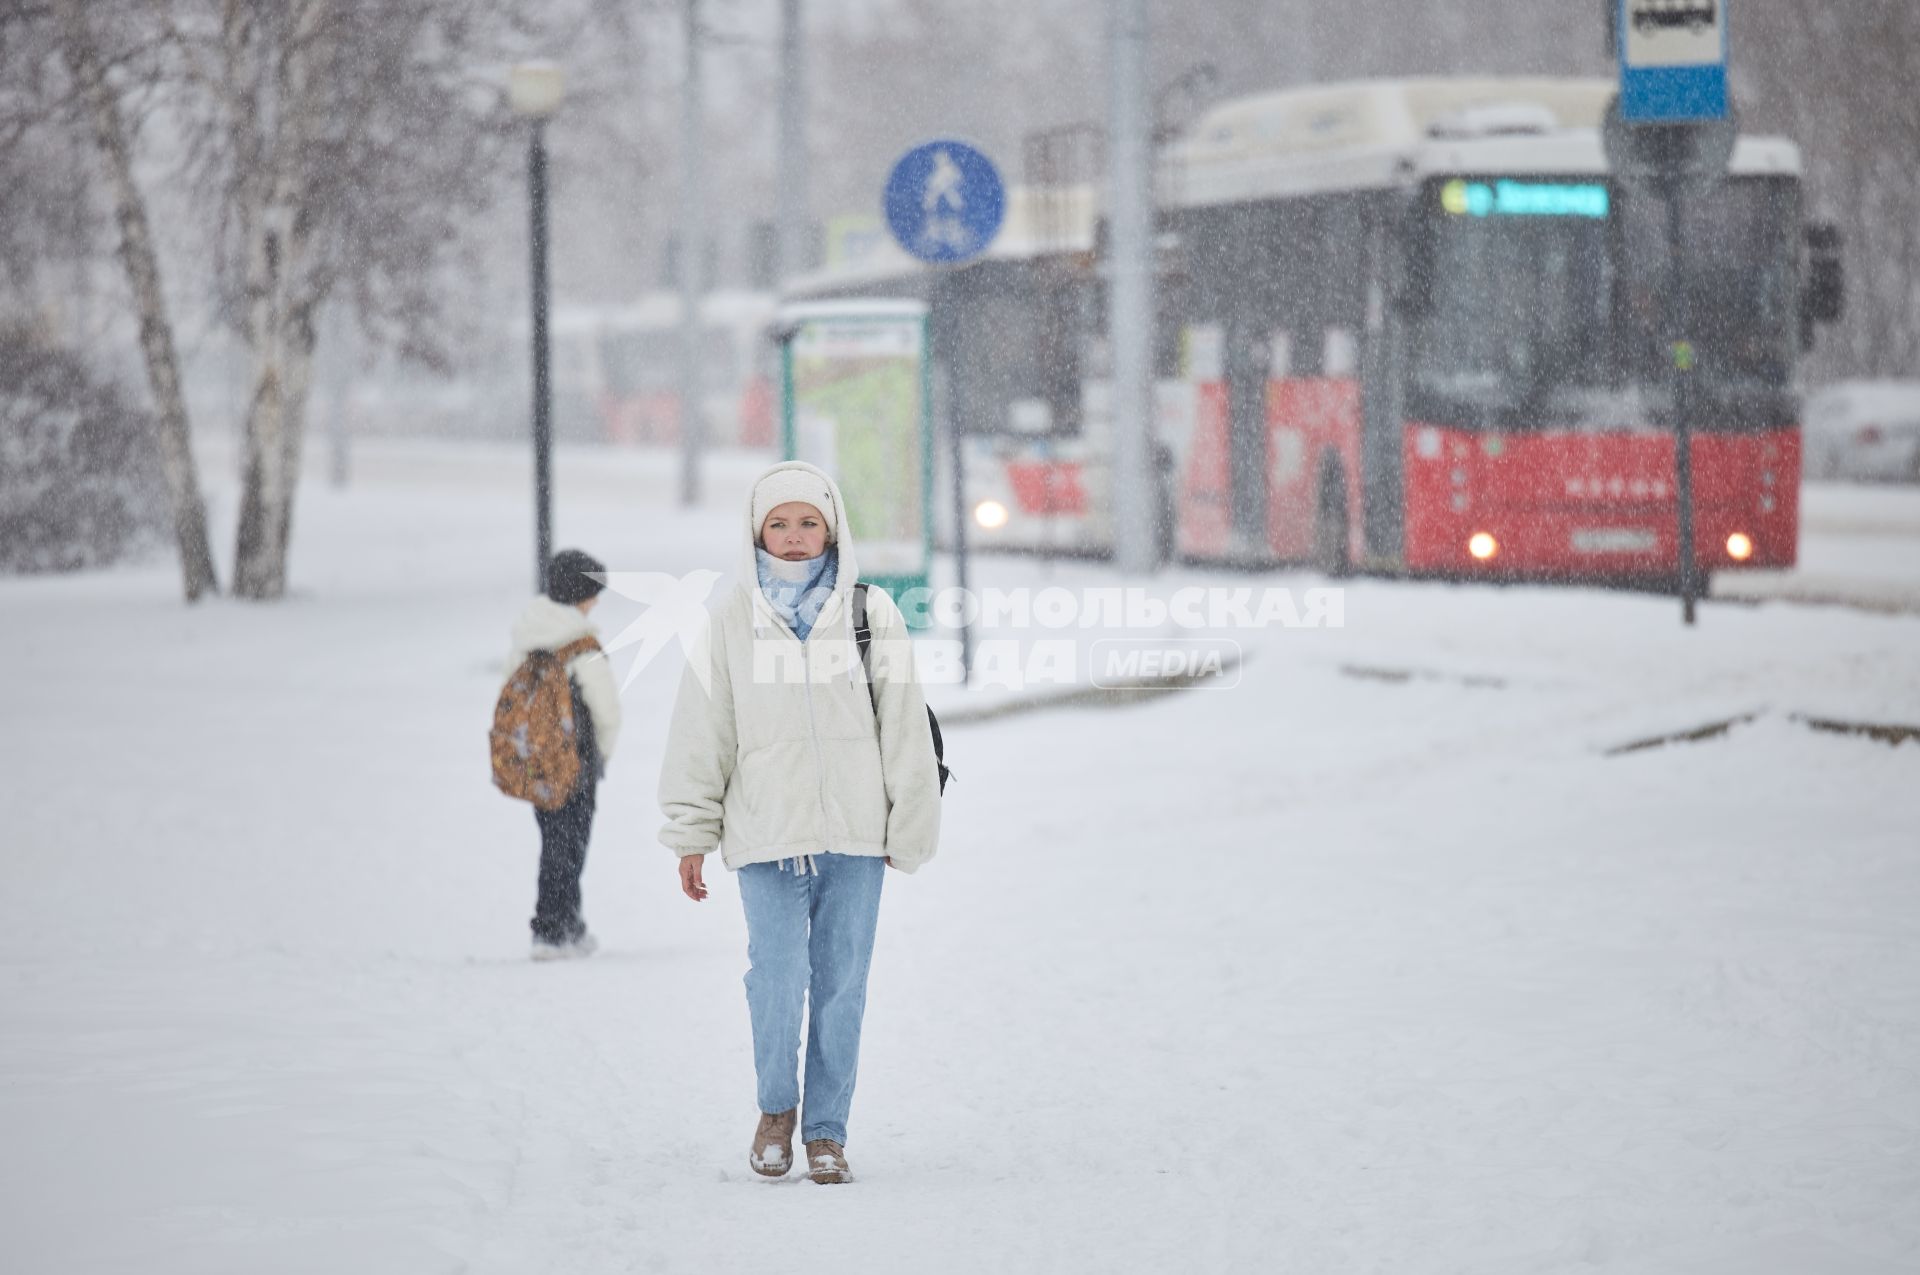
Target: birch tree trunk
284	293
276	428
137	256
280	332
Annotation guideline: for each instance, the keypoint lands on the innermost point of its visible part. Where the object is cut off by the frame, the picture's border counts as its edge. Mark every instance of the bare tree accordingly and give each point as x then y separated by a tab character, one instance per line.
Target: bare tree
78	486
1837	78
336	146
341	145
89	65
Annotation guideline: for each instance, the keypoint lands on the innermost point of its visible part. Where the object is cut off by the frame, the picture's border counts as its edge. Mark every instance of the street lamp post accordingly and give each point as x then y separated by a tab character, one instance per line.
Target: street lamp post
535	89
1130	290
693	240
792	158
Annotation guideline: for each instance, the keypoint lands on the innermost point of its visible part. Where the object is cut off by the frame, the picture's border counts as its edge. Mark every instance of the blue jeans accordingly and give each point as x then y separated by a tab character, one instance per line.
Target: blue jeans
810	938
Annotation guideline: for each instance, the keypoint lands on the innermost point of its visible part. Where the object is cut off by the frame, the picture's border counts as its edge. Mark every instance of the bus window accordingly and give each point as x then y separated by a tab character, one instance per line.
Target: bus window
1737	270
1519	313
1547	303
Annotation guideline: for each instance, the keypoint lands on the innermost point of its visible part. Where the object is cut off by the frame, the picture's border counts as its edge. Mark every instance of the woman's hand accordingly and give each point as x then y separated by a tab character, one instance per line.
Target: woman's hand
690	883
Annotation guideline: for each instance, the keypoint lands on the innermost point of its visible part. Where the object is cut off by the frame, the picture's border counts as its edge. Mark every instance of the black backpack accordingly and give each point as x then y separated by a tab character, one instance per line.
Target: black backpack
863	635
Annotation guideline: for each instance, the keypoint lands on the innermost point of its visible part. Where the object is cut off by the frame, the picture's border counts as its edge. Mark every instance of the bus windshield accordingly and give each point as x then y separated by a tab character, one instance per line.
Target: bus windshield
1544	304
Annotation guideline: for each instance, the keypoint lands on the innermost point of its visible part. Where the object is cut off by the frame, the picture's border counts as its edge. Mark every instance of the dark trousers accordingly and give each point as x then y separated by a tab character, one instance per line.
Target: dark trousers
563	854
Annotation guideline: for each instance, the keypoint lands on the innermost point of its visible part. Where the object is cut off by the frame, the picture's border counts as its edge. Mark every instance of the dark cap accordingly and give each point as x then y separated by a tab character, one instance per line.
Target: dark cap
570	576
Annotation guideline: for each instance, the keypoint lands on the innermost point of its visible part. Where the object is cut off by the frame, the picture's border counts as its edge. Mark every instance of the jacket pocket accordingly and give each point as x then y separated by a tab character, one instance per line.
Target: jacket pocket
856	793
774	796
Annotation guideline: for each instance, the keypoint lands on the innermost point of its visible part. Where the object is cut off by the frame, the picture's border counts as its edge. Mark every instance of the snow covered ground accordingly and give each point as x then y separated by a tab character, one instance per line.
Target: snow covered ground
1377	961
1859	544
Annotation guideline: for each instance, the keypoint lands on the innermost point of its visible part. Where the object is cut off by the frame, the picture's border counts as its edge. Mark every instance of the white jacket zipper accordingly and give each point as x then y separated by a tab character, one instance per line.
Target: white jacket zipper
813	737
813	726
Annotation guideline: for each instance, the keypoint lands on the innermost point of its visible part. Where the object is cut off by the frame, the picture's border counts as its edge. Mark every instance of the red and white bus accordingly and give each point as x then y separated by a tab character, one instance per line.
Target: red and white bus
1414	326
1439	328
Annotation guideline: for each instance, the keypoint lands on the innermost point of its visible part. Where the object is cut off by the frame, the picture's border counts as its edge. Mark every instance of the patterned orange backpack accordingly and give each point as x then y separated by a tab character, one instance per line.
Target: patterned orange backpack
536	756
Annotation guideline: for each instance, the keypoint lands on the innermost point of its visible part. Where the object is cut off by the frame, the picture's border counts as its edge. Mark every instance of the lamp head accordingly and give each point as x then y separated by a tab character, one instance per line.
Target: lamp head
535	88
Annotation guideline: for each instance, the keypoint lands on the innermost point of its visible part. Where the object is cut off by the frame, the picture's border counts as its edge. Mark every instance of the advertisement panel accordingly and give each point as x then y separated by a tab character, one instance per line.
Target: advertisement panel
856	404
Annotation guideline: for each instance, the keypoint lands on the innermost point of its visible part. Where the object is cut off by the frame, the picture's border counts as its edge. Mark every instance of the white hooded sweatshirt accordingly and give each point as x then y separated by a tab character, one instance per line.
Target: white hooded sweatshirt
779	753
547	625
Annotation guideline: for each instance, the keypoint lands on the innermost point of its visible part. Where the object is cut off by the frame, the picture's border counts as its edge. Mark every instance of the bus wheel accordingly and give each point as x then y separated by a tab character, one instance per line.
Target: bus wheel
1331	554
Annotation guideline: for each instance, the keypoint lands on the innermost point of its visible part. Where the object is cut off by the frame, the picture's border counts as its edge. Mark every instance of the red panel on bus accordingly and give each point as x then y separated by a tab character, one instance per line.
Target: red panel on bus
756	413
1047	486
1596	504
641	418
1205	517
1311	421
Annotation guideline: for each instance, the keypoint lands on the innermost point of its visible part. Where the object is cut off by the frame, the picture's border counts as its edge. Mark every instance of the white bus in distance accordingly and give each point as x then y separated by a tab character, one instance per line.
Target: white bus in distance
1020	362
616	370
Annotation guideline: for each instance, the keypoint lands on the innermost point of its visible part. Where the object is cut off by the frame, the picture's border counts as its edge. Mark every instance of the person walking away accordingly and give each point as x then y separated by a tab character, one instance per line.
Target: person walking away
811	773
557	623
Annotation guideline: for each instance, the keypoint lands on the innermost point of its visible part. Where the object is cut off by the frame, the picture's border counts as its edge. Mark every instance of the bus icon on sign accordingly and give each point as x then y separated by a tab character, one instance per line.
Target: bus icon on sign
1693	16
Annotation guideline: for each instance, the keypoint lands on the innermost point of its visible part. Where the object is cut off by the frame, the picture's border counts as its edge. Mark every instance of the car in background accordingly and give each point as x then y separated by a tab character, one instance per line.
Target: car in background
1864	430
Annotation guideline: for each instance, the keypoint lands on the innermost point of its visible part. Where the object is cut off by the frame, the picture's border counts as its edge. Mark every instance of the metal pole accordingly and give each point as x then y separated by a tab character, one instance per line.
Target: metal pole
542	388
792	159
939	317
1681	356
1130	304
692	257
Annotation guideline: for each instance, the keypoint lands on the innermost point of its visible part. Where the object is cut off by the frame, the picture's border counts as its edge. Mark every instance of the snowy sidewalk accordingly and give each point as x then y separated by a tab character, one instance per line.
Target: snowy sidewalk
1374	962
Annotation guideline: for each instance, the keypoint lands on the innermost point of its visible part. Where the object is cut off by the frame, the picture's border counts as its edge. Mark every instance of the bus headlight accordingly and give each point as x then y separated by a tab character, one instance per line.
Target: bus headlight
1739	546
990	514
1483	546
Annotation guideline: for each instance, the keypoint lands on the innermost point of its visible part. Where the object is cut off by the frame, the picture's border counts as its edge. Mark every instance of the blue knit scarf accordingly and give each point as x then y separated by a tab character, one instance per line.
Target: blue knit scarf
797	590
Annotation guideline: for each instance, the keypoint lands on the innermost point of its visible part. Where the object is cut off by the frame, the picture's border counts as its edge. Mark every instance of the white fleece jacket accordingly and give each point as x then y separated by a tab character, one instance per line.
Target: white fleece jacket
780	753
547	625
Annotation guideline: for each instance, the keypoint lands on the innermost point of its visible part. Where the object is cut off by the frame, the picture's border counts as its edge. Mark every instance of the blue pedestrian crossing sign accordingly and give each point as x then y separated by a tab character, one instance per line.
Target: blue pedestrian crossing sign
1673	61
944	202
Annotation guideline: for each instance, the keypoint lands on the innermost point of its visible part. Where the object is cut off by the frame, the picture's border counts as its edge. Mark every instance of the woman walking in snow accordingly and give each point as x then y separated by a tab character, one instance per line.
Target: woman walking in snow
812	774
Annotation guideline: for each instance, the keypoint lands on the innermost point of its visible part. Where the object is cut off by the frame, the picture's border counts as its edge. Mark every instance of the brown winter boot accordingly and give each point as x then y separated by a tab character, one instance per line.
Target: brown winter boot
772	1153
827	1162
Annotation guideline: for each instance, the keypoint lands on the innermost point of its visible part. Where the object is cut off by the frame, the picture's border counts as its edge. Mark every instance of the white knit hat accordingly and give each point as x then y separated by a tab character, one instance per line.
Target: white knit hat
783	484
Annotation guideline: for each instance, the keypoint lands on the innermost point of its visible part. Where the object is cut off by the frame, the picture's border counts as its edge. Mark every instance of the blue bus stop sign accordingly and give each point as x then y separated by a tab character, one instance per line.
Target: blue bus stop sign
944	202
1673	61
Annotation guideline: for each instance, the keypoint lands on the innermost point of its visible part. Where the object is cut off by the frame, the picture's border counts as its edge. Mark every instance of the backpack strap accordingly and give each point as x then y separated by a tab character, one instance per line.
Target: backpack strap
863	638
576	648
